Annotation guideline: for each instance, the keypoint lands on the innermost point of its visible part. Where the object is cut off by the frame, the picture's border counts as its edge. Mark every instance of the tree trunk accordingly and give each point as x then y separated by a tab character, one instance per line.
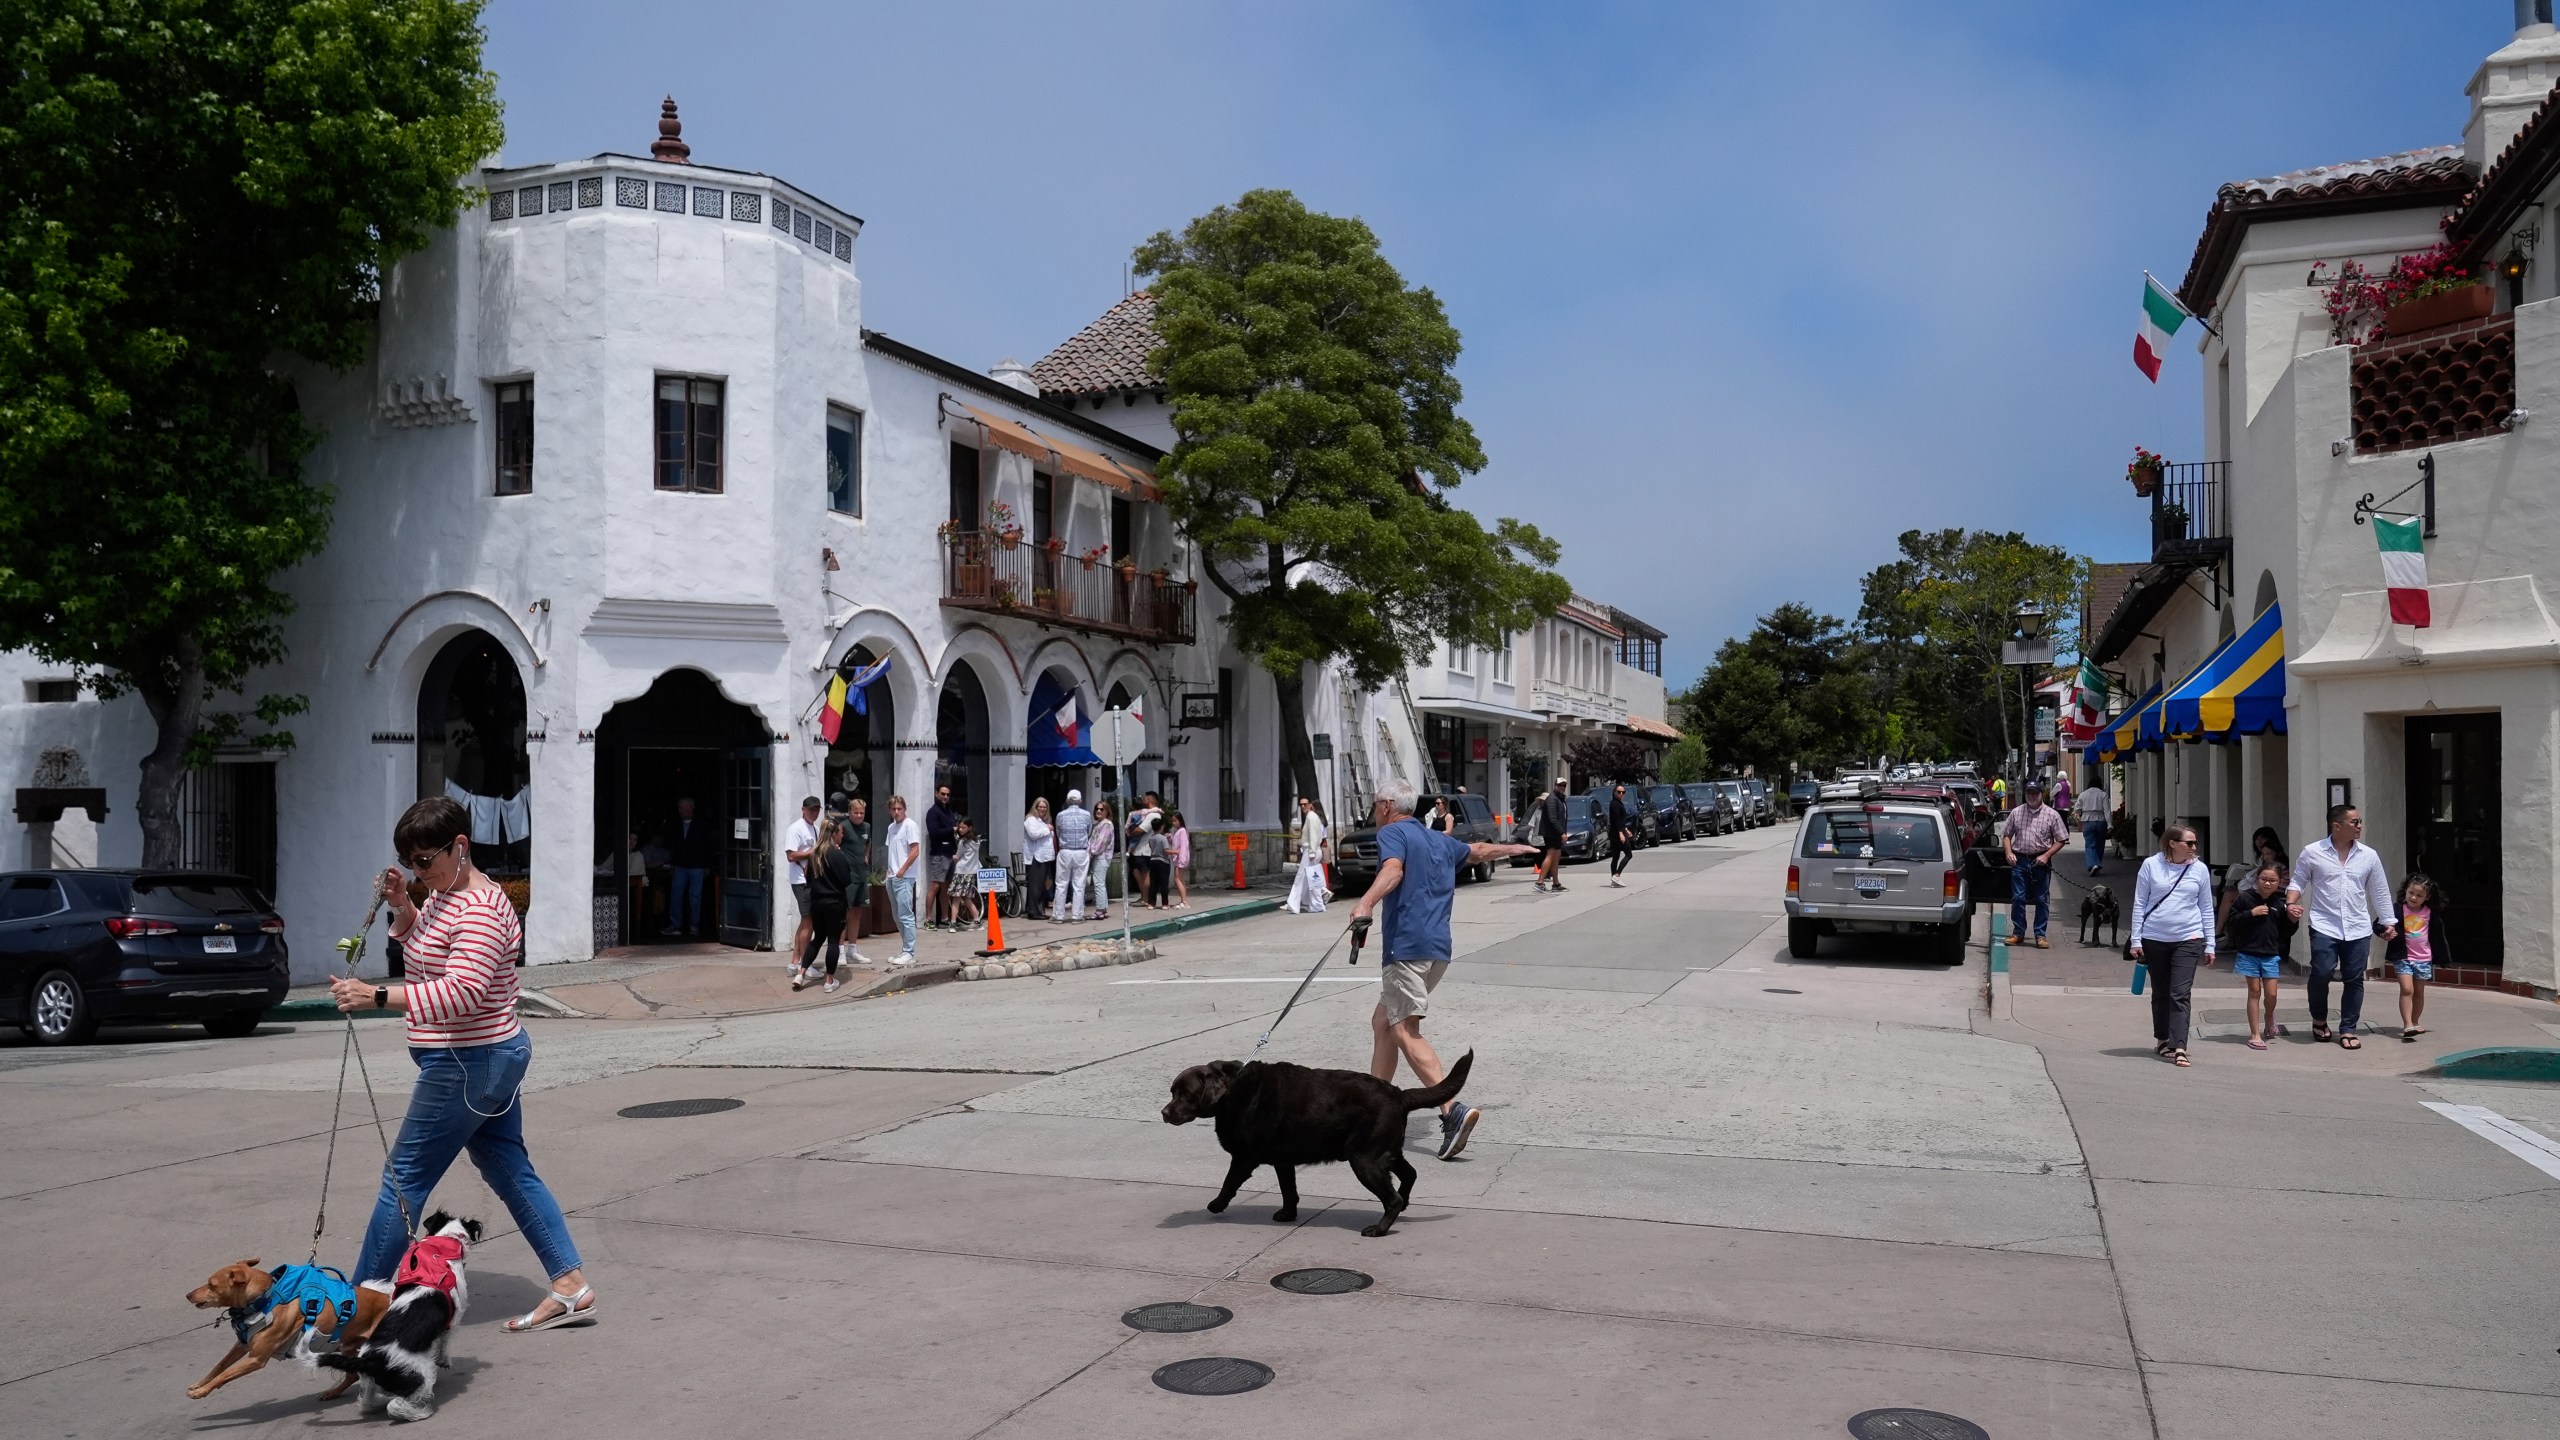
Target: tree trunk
175	697
1294	744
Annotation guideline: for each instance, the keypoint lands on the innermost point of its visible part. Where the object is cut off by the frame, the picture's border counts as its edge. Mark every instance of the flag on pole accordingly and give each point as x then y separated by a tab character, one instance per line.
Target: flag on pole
831	719
1138	709
2404	568
2089	695
1065	720
861	680
2161	317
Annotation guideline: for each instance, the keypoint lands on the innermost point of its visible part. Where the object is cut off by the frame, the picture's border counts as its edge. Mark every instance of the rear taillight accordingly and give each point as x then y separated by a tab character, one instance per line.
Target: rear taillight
274	925
1795	879
1947	887
129	927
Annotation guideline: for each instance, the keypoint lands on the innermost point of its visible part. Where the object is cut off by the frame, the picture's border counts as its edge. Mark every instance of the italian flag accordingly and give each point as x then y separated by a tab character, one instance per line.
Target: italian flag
2404	568
2089	695
2161	317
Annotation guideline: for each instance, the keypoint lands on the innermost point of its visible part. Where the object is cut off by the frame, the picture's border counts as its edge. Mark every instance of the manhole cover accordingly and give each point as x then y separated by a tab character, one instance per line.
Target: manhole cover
1900	1424
1774	990
671	1109
1213	1375
1177	1317
1320	1282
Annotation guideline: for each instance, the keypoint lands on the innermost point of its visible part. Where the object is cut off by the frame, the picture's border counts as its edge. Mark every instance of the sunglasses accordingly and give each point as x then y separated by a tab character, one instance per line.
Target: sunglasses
420	863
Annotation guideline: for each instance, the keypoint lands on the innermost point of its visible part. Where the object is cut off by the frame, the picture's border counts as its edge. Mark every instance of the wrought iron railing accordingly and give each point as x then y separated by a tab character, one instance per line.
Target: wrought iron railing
984	571
2191	511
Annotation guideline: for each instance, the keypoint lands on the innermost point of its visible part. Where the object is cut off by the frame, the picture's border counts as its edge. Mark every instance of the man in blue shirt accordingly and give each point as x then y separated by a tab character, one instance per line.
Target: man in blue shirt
1418	866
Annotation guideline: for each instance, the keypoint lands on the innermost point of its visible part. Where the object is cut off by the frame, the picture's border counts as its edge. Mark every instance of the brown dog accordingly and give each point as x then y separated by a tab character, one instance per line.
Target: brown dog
243	1289
1284	1116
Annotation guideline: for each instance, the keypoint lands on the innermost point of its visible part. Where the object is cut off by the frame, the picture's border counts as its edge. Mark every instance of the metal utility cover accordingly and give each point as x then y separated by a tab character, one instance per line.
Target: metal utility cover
674	1109
1901	1424
1177	1317
1213	1375
1321	1281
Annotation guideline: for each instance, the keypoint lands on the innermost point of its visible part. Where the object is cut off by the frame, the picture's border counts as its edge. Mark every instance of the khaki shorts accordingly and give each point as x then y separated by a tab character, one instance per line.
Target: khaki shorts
1404	990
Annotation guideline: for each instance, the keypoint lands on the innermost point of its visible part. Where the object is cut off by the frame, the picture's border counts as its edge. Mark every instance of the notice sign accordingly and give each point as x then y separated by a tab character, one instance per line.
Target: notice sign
738	830
994	880
1237	842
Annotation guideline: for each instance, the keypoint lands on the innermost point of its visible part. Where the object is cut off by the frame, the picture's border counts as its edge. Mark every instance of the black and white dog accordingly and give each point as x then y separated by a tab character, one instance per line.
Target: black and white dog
397	1364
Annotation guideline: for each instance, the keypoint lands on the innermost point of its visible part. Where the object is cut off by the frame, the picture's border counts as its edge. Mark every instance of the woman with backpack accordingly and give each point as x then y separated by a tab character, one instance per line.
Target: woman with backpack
2172	935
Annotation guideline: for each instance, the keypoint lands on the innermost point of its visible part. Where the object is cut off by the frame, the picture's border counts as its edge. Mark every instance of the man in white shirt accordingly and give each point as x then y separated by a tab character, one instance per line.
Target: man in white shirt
798	844
2095	811
903	844
2338	883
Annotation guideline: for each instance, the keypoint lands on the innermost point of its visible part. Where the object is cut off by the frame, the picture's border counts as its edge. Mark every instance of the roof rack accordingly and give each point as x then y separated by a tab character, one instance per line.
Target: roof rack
1864	788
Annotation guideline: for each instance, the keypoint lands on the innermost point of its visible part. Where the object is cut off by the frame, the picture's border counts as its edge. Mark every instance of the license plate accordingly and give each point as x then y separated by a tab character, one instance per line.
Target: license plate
221	945
1870	888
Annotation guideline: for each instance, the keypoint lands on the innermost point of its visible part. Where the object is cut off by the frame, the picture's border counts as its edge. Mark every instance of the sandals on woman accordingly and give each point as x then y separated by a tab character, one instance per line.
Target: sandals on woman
569	1314
2257	1044
2178	1058
2350	1042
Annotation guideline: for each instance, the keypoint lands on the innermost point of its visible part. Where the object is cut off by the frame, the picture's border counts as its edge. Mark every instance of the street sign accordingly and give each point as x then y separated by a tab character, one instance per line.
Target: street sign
1200	710
2026	652
994	880
1323	744
2044	722
1238	842
1118	737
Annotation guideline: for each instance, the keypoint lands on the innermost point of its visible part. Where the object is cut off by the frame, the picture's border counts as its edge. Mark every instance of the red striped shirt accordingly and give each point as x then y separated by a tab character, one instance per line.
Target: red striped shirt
460	968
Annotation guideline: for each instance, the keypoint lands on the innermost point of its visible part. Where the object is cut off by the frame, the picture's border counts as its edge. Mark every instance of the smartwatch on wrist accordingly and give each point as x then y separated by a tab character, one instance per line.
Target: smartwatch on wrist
381	997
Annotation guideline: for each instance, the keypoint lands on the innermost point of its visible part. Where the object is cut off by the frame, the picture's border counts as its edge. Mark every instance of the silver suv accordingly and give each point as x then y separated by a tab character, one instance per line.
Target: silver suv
1871	866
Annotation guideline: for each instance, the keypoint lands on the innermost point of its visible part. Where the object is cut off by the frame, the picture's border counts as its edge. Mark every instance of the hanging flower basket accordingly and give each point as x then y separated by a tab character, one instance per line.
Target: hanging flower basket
2145	472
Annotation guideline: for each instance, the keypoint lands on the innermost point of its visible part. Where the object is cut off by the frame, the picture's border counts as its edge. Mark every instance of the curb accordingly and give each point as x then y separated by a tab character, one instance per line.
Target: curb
1154	929
322	1010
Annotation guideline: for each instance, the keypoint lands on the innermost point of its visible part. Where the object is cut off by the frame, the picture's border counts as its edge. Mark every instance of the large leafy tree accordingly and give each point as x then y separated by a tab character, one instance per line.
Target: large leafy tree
1934	620
1792	693
198	190
1316	437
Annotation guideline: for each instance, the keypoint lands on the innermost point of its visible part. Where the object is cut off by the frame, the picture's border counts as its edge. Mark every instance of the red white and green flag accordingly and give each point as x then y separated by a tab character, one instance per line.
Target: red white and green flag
2404	568
2089	697
2161	317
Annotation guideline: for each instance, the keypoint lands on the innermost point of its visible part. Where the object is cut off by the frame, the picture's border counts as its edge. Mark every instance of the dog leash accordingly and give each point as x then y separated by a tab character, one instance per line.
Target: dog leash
352	948
1358	930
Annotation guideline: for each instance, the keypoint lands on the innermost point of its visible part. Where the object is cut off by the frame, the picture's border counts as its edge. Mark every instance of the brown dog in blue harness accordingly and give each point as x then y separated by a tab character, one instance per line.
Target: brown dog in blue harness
270	1310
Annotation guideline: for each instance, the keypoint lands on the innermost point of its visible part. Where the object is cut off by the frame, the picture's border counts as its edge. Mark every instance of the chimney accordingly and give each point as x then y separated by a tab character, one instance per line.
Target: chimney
670	146
2511	84
1009	371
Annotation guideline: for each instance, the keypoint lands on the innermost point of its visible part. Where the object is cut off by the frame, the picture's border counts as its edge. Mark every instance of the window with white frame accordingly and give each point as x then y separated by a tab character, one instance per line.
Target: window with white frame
1462	659
1502	663
844	460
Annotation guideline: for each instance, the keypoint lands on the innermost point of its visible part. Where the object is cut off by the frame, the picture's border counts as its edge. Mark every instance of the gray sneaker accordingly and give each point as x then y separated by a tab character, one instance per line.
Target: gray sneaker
1455	1126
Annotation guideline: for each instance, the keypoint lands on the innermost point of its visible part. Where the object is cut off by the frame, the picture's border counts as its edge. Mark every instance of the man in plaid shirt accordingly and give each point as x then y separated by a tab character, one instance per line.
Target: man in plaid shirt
2034	835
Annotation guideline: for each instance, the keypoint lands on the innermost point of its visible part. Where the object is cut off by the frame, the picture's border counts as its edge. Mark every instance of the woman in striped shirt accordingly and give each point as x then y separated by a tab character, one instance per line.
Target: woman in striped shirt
460	998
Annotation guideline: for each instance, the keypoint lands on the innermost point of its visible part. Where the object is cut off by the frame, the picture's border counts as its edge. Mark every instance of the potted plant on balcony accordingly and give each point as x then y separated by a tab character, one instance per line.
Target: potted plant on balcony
1001	520
1048	600
1007	592
2168	524
2432	289
1092	555
2145	472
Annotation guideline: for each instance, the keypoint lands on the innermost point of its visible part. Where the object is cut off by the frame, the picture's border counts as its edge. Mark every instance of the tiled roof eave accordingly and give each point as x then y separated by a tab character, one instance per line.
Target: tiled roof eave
2440	179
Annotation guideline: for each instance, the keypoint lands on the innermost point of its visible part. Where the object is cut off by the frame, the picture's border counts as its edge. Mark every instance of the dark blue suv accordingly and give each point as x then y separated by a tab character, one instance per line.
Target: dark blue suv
82	948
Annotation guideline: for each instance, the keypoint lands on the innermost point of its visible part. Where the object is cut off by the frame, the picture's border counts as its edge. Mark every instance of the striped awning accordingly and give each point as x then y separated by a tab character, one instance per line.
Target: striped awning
2119	737
2238	691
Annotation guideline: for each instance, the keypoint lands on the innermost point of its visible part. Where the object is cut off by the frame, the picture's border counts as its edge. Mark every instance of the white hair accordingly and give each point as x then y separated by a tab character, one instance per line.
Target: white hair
1398	795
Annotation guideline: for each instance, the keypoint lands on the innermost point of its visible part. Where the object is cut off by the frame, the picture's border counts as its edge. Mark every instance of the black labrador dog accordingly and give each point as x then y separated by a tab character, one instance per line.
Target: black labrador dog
2099	914
1285	1116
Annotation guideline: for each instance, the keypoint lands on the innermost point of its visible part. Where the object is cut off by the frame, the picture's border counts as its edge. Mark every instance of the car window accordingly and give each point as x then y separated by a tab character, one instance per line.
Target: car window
29	896
175	896
1580	811
1476	809
1846	834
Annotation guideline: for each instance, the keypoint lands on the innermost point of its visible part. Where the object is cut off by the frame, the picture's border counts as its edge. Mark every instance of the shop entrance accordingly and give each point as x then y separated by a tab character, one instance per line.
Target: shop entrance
2454	834
684	740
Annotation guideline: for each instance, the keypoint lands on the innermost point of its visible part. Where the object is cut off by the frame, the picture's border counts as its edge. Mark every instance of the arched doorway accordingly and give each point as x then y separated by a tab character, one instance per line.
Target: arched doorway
862	763
960	745
471	746
685	740
1057	762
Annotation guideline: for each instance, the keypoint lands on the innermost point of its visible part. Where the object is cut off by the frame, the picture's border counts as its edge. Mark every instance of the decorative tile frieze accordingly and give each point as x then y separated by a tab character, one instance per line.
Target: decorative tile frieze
800	225
590	192
630	193
670	197
529	201
746	206
707	202
844	246
560	192
826	238
502	204
781	215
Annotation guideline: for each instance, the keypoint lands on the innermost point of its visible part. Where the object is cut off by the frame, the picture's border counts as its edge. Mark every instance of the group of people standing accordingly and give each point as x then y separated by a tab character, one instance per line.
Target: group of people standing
2336	886
1068	855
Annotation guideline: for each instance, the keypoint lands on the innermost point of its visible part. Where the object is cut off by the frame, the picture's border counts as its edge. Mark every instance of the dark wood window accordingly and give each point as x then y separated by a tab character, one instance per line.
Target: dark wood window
964	488
844	460
1044	499
1122	529
515	438
689	434
53	692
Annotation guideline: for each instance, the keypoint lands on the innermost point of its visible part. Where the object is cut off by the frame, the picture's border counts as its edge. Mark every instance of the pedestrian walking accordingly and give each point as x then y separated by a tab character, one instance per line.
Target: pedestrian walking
902	847
690	852
853	836
1101	844
2033	836
2062	791
2413	952
1074	833
798	844
459	994
2338	886
1418	884
2173	935
1306	893
941	842
832	882
2095	810
2259	927
1443	819
1039	854
1999	794
1551	823
1178	860
1622	836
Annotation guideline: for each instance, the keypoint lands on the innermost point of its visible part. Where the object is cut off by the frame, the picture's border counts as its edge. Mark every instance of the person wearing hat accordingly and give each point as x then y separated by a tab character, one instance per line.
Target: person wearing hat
1073	832
1551	826
2033	836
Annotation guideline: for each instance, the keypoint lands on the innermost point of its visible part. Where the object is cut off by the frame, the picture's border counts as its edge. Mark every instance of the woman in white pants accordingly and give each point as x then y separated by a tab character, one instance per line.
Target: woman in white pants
1306	894
1099	849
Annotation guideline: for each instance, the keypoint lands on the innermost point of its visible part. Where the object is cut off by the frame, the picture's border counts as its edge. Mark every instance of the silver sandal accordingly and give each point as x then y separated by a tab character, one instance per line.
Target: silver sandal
569	1314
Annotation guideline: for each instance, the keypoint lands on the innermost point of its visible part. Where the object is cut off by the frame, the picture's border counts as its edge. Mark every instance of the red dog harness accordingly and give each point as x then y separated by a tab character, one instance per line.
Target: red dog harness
430	1262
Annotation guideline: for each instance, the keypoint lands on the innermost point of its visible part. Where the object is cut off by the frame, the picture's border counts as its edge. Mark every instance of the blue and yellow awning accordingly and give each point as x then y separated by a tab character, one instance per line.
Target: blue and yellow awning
2238	691
2117	740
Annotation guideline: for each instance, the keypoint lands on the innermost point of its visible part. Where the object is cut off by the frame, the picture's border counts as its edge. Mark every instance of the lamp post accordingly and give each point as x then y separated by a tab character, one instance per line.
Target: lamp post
2030	652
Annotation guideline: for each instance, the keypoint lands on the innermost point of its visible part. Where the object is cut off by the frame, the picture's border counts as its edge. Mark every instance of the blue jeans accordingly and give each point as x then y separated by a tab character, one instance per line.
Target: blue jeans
2093	839
684	900
2345	960
2030	882
467	1098
902	903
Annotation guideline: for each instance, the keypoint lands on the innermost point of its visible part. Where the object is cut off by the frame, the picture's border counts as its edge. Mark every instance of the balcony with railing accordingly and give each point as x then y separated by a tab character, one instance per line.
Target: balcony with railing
2191	513
985	572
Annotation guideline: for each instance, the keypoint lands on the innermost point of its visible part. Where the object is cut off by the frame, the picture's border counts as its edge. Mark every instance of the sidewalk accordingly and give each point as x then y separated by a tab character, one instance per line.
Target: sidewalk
703	981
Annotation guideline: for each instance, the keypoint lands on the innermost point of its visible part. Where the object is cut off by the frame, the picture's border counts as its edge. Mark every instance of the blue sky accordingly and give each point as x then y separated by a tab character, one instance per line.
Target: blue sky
1747	289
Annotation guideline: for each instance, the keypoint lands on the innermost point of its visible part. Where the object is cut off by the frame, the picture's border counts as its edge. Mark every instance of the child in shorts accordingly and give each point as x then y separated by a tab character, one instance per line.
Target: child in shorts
2412	953
2260	927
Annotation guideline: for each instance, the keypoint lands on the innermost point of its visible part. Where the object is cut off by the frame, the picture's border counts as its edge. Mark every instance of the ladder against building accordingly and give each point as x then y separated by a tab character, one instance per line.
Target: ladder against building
1355	756
1430	782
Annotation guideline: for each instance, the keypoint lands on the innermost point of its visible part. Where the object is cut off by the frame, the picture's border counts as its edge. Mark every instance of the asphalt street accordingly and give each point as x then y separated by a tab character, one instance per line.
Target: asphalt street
1717	1192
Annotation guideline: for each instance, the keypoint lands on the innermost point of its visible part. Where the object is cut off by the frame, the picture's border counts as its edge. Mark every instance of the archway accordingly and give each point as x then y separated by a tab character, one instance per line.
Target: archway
685	740
471	746
1057	762
2266	592
862	763
960	740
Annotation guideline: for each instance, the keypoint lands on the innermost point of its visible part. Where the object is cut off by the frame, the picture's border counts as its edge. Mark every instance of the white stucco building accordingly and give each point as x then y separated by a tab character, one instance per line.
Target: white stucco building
2443	736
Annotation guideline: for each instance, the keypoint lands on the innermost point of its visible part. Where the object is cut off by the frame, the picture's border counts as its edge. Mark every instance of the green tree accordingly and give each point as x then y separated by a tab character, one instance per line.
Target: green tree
198	190
1685	761
1791	694
1934	619
1316	437
1603	758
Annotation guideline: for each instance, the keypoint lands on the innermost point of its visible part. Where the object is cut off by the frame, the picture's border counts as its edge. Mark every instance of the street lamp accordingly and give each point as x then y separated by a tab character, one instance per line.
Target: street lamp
2030	652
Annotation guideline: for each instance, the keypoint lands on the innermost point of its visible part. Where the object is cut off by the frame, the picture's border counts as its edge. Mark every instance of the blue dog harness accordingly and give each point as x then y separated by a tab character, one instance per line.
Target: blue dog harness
308	1286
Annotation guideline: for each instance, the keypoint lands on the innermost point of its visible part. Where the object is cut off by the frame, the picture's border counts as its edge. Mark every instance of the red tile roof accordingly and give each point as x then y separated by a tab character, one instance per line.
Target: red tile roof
2511	182
2437	175
1109	354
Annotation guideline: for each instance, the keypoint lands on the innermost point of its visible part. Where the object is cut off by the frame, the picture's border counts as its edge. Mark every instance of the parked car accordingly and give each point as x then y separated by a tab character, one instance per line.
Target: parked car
1739	800
1585	832
1878	866
1707	802
1801	792
1677	817
1355	853
1764	809
1648	826
84	948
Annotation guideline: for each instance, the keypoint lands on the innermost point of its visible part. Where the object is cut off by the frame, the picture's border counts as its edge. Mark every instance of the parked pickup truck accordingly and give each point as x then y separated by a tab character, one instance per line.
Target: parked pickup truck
1355	853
